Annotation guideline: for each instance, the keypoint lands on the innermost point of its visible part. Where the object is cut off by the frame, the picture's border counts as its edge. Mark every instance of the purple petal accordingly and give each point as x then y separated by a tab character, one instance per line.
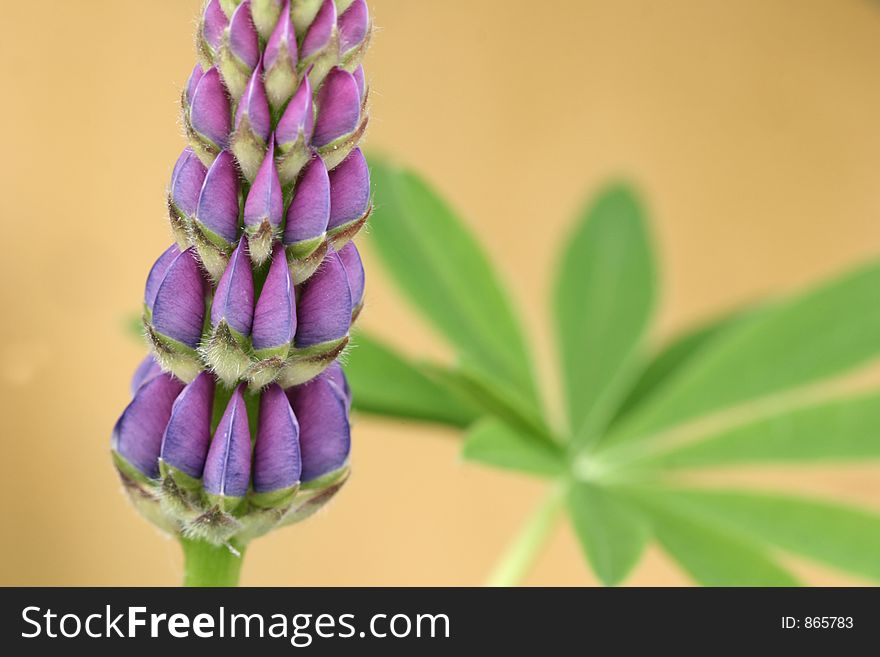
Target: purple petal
309	210
351	259
228	466
255	106
193	82
353	26
361	81
324	435
188	434
157	273
282	41
349	189
275	316
335	374
298	118
320	30
146	371
209	113
234	298
324	308
137	436
218	200
179	308
277	462
186	181
265	200
339	107
214	22
243	36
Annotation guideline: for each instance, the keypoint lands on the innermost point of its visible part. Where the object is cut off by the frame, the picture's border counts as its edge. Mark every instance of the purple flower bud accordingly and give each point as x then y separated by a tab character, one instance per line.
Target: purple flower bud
186	182
209	116
349	198
361	80
264	209
275	315
240	52
335	374
280	60
324	307
137	436
294	133
354	268
234	298
214	22
157	275
320	32
243	41
277	462
253	125
188	433
324	435
192	83
217	209
354	28
266	14
228	466
309	211
339	108
148	370
179	305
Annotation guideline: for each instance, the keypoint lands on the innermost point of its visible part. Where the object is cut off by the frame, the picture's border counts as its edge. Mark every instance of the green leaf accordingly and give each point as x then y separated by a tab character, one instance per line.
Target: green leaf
612	534
494	443
443	271
839	429
817	335
603	303
711	555
839	535
679	352
385	383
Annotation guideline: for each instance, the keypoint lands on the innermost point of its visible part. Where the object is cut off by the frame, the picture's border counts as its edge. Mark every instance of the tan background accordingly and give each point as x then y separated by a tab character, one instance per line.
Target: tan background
750	126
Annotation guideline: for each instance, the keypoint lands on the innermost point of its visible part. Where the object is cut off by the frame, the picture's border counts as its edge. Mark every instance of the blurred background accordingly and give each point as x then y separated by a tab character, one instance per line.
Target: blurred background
750	127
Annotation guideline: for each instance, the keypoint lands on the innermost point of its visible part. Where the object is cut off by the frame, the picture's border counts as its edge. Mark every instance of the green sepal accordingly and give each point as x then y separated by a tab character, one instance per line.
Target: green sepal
227	352
235	72
276	499
305	364
184	481
214	525
249	149
265	15
225	503
303	13
291	158
261	239
180	225
143	493
320	63
344	233
281	81
214	251
229	6
264	372
301	269
339	149
303	249
206	150
314	495
130	472
181	360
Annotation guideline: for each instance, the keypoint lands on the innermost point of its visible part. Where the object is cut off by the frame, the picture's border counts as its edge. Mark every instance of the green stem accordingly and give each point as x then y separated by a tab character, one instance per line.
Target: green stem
521	554
205	564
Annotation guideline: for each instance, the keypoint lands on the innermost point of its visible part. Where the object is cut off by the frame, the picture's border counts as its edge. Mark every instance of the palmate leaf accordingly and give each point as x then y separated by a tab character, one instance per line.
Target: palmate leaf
822	333
712	554
603	304
845	429
672	357
494	443
612	533
836	534
385	383
445	274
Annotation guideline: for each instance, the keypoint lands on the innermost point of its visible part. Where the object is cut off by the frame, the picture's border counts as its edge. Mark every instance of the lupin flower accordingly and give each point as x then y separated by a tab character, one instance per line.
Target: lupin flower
264	209
239	417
